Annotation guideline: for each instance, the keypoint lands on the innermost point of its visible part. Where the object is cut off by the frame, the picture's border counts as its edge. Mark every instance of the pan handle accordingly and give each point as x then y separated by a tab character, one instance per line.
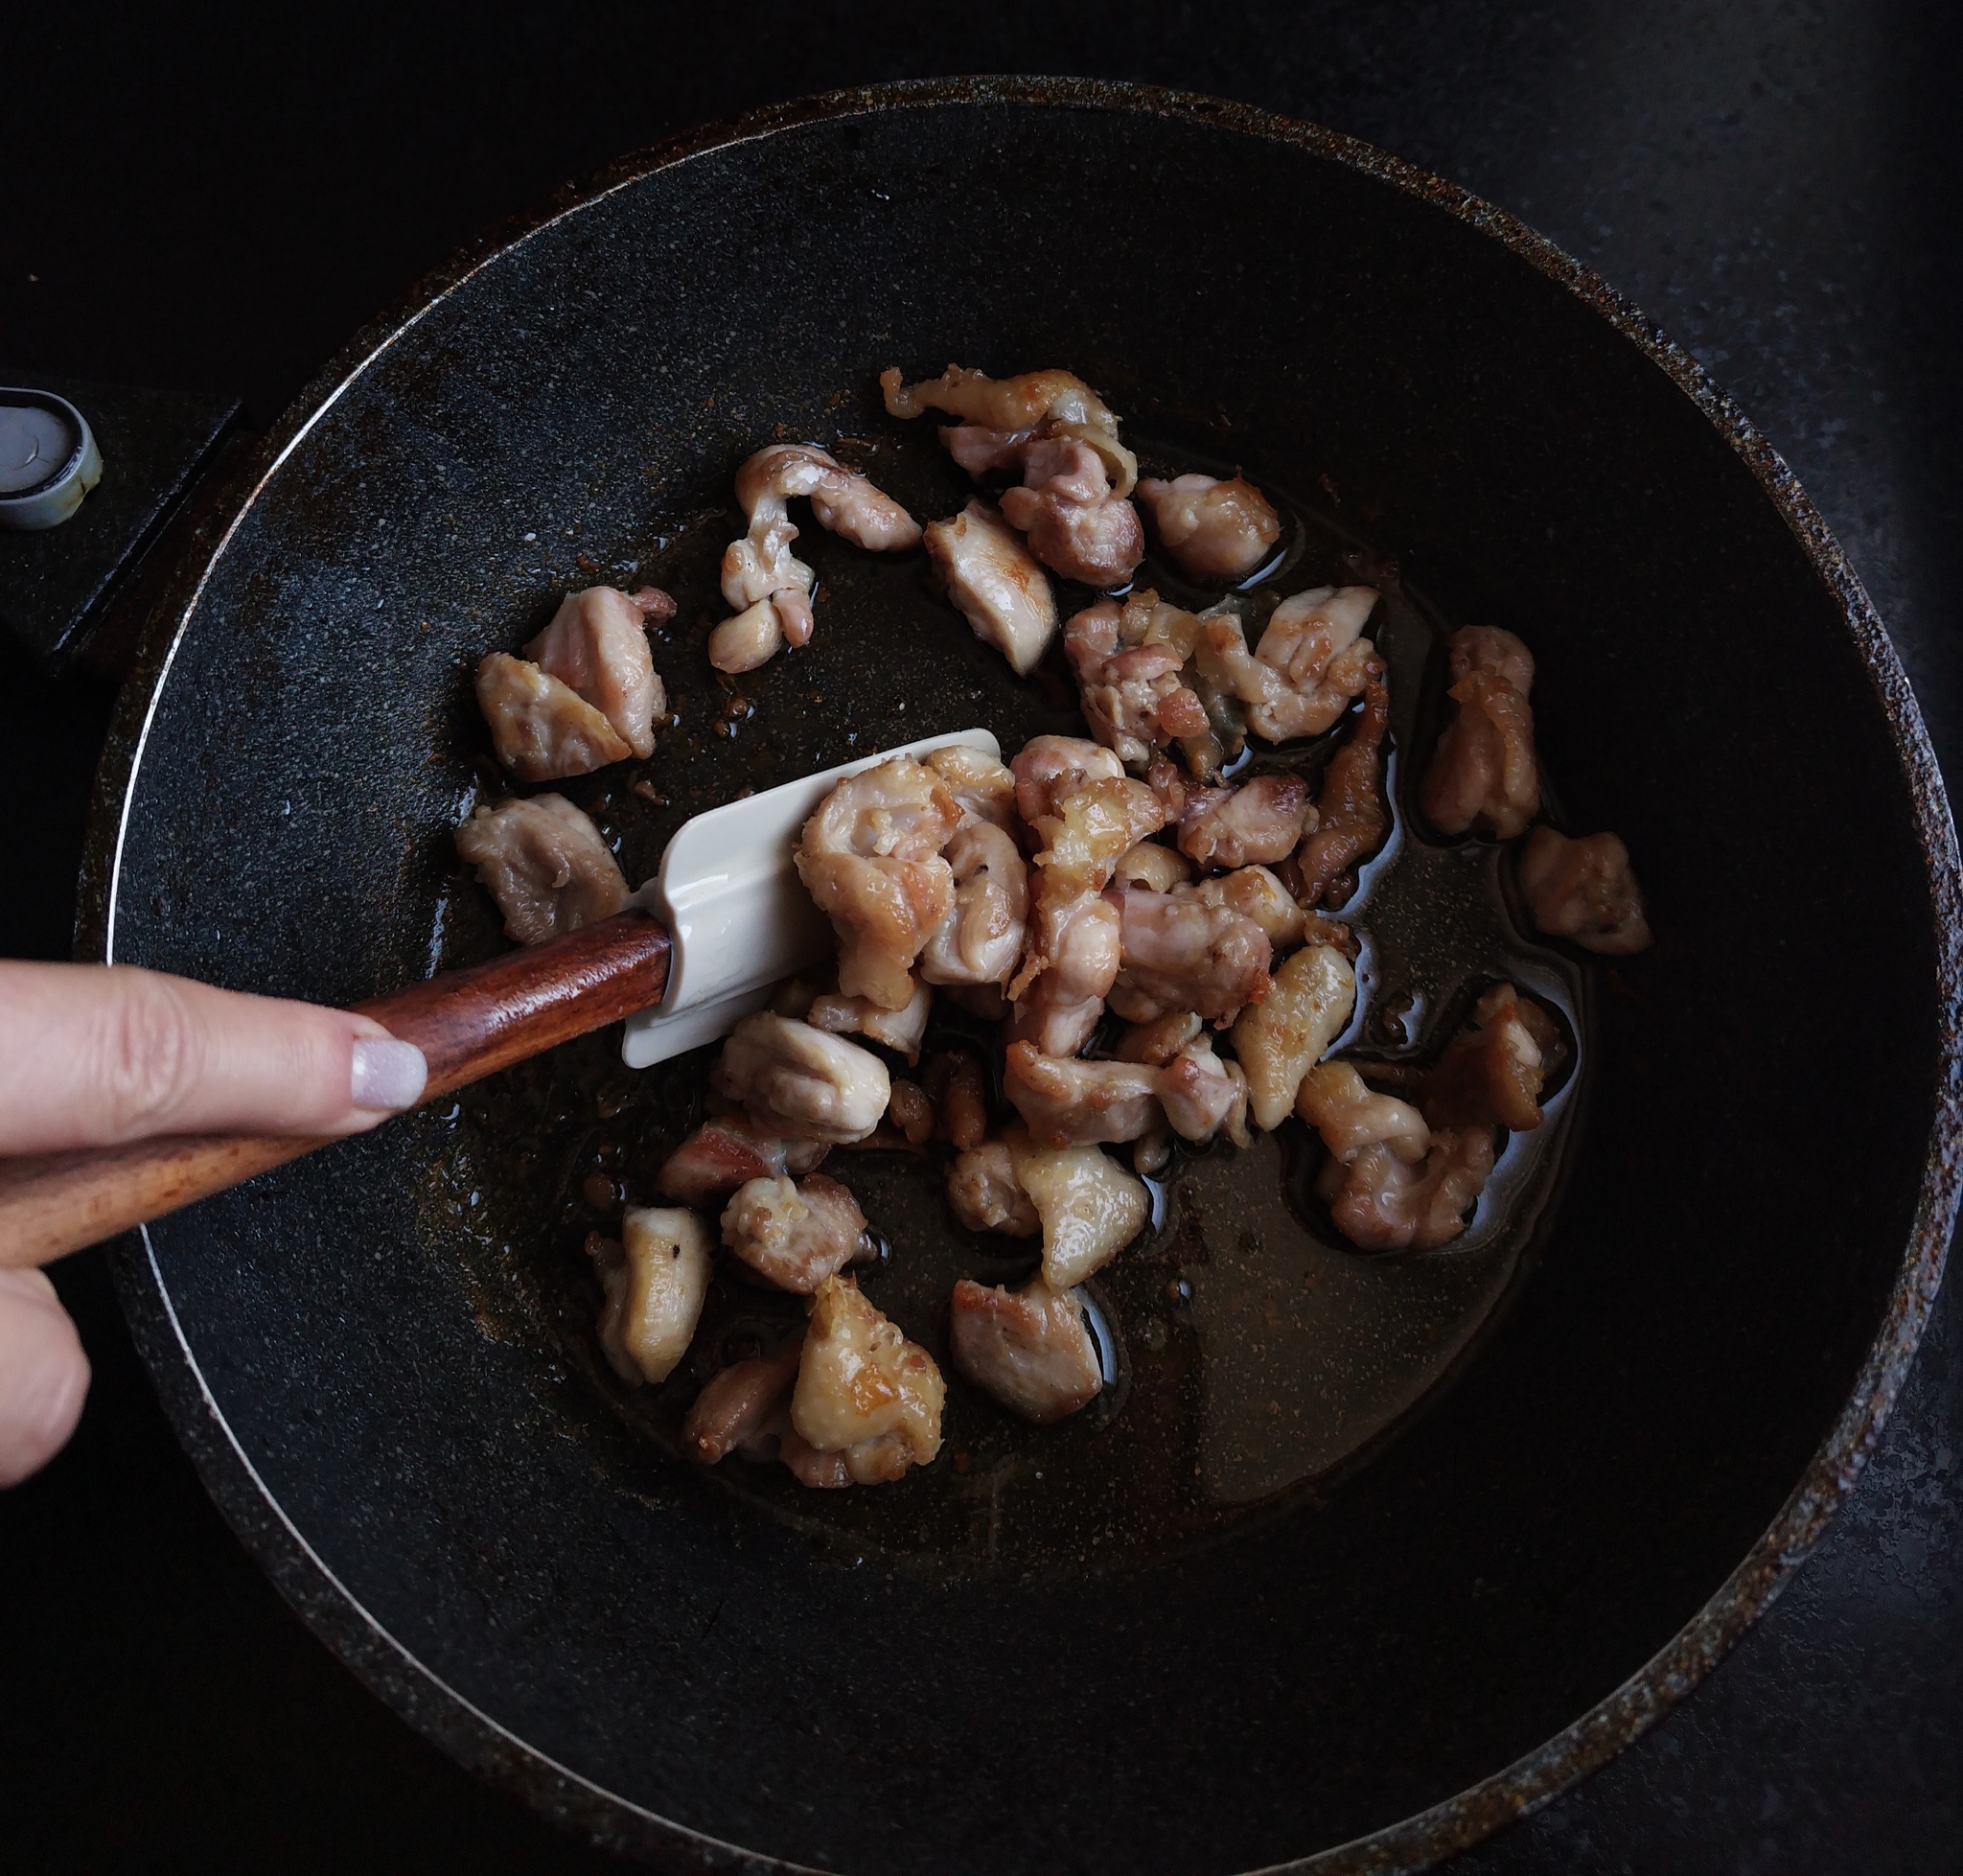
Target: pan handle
467	1024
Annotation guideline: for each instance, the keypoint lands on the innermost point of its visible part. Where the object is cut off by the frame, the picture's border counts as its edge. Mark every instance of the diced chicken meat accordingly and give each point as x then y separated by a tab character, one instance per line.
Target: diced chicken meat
1203	1095
1491	1075
1179	953
1075	948
1156	868
1216	532
1311	662
729	1152
1091	1207
800	1084
1255	892
655	1293
1254	822
980	939
1484	774
545	865
863	1391
987	1196
1068	1103
597	646
1008	411
899	1029
995	583
740	1407
1078	526
983	789
795	1233
1128	662
954	1083
1351	819
1281	1038
540	728
1049	769
1029	1349
1584	890
871	859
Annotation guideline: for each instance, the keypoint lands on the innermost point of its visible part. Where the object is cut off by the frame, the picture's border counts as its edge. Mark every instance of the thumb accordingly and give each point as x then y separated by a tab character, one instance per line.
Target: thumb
43	1375
94	1055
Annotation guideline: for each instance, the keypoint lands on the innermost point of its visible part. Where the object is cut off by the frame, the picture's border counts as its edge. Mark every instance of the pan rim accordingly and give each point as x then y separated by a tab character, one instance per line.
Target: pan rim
1536	1778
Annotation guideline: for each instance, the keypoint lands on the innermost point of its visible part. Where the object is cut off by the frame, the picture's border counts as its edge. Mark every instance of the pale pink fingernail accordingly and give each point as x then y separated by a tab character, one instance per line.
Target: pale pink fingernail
388	1076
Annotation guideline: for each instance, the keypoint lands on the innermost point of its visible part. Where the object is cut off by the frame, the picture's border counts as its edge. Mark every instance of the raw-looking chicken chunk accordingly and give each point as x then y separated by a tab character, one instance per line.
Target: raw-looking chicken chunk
1584	890
1029	1349
767	585
544	864
1484	773
1080	944
865	1391
1217	532
597	646
1130	678
800	1084
900	1030
871	857
1179	953
1065	1103
1491	1075
995	583
742	1409
987	1196
1077	525
655	1292
1311	662
1351	819
540	728
1255	892
1390	1181
1281	1038
983	789
982	938
729	1152
1257	822
795	1233
1091	1207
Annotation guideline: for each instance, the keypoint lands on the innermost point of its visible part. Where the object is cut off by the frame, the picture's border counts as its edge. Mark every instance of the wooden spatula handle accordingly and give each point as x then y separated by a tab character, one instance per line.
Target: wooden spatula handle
467	1024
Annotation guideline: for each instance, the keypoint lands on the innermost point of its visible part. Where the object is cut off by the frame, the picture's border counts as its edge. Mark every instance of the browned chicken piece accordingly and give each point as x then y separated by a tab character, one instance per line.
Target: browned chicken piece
1051	769
1156	1042
544	864
795	1233
1029	1349
910	1109
1257	822
1584	890
767	585
1179	953
871	859
653	1291
1072	1103
1484	774
729	1152
982	938
735	1410
1491	1075
1081	945
1216	532
1281	1038
1087	835
1090	1206
995	583
1077	524
1008	405
1311	662
983	789
800	1084
985	1193
826	1471
540	728
864	1390
900	1030
1130	678
1351	819
1255	892
1156	868
597	646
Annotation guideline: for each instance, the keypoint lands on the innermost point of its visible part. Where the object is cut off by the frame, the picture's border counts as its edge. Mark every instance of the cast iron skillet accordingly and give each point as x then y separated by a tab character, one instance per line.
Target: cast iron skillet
381	1358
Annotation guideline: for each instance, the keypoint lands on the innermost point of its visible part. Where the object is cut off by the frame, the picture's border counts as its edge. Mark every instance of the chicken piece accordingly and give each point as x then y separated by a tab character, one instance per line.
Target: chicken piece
910	1109
735	1410
1157	868
724	1153
544	864
655	1294
1080	945
1029	1349
1350	1115
1309	664
1128	684
987	1196
1090	1206
1051	769
1491	1075
1087	835
1255	823
1156	1042
826	1472
1484	773
954	1083
795	1233
799	1082
1351	819
1200	1094
1007	411
540	728
1216	532
1586	891
864	1390
1067	1103
597	646
983	789
1179	953
1078	526
1281	1038
871	857
982	938
995	583
770	589
1255	892
899	1029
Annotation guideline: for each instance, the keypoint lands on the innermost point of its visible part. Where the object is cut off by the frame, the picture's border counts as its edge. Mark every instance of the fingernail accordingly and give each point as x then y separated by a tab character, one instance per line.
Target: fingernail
389	1075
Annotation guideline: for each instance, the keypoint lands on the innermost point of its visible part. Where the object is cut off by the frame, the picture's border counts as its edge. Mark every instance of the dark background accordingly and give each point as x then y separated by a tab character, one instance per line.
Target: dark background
202	199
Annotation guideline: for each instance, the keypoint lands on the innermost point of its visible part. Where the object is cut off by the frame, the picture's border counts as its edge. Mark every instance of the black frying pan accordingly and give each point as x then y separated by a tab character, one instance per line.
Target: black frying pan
1590	1441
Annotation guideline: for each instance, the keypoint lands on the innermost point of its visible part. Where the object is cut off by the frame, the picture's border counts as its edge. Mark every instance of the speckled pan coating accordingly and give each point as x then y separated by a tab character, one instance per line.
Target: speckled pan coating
1752	1233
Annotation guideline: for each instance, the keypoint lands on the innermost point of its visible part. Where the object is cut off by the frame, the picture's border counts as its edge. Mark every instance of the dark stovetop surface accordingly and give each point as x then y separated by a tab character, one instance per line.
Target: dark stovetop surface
1777	181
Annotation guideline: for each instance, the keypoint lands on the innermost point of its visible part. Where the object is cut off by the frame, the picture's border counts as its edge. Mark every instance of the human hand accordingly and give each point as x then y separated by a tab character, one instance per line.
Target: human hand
93	1056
